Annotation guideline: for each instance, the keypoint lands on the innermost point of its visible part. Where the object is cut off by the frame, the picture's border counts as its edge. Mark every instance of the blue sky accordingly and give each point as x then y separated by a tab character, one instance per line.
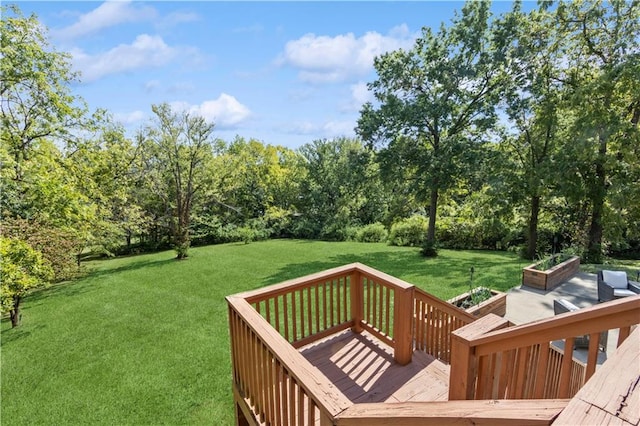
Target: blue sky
285	73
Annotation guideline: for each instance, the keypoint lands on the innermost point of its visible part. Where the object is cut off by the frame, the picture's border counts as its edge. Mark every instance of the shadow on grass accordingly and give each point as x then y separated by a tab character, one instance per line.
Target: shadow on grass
411	263
132	266
76	287
10	335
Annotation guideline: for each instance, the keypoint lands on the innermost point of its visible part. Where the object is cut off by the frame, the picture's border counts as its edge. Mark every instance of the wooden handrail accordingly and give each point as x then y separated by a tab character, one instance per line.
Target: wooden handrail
491	361
273	290
595	319
504	412
381	276
326	395
446	307
435	321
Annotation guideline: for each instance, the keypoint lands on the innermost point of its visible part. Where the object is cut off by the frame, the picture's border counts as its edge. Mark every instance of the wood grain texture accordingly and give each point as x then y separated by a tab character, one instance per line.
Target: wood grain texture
612	395
364	370
522	413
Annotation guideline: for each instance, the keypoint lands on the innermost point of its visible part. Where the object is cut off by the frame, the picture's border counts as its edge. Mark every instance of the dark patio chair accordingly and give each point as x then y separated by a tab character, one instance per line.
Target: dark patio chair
561	306
614	285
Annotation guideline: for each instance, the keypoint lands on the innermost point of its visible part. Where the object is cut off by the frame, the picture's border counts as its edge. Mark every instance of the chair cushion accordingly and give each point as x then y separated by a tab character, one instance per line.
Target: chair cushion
616	279
568	305
622	292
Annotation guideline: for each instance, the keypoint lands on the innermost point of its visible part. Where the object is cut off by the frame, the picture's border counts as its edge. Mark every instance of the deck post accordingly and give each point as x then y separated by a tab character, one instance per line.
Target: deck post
403	325
357	304
462	375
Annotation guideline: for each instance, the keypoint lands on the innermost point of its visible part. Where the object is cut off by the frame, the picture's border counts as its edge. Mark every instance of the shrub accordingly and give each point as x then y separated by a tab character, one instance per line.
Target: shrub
372	233
23	269
58	246
409	232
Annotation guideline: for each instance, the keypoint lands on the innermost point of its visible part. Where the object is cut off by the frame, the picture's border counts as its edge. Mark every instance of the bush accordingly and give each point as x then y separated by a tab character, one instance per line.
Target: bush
372	233
58	246
409	232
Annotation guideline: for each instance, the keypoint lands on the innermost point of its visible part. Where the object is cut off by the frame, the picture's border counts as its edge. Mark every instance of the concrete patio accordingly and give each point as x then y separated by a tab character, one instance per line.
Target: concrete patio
526	304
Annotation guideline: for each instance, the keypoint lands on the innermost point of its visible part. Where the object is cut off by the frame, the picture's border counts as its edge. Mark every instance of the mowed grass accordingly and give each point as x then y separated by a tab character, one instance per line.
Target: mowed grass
144	340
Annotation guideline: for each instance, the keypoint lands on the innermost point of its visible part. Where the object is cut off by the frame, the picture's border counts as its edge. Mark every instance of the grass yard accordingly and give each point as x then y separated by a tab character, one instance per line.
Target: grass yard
144	340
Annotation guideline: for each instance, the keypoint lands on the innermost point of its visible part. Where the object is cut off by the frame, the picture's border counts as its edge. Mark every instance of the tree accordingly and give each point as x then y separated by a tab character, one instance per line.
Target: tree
23	269
341	188
436	102
179	145
602	49
35	98
532	96
39	114
256	185
102	167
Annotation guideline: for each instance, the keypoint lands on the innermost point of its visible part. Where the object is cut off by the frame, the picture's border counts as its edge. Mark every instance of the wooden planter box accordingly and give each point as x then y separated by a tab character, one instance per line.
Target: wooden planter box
552	277
496	304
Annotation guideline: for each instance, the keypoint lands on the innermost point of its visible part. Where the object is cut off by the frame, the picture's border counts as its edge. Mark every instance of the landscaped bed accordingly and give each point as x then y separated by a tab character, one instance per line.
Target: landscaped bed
549	273
482	301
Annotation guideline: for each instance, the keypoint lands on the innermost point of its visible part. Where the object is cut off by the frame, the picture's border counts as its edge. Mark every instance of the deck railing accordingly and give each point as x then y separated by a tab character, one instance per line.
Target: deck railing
490	361
267	325
273	383
435	322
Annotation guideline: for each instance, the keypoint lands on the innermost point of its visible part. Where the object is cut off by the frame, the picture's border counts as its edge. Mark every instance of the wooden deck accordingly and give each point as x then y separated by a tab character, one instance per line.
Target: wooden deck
297	362
363	368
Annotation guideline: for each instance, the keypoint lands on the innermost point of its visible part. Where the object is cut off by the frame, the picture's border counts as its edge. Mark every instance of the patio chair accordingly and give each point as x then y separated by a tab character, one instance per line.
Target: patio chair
561	306
614	285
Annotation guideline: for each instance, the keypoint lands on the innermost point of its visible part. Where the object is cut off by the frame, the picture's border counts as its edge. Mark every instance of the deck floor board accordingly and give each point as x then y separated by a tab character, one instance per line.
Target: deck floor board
363	368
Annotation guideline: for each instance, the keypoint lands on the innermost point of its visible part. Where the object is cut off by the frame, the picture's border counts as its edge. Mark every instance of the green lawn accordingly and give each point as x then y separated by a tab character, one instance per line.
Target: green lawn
143	340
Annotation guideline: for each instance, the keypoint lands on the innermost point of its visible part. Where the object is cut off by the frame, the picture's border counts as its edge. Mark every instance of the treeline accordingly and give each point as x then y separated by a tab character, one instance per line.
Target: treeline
514	132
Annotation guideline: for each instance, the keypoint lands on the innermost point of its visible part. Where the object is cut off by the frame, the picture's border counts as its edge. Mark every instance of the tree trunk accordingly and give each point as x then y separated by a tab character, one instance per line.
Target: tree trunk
433	208
594	246
15	312
532	240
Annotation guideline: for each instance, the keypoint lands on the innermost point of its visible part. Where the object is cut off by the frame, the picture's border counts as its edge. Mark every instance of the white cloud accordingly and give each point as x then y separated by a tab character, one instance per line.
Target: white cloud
130	117
322	59
299	128
225	112
108	14
329	129
338	128
176	18
146	51
360	94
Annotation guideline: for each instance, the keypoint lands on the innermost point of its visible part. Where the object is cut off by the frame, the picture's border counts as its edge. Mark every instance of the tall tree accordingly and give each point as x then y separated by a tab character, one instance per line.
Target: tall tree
532	99
436	101
179	147
602	49
341	187
35	97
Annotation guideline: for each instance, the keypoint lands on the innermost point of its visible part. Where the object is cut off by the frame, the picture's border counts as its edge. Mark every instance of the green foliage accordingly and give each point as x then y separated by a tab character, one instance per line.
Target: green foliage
58	246
437	101
23	269
564	167
177	147
409	232
341	189
372	233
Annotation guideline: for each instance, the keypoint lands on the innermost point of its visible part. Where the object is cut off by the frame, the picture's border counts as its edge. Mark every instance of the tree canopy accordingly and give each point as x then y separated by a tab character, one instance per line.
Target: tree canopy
517	131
